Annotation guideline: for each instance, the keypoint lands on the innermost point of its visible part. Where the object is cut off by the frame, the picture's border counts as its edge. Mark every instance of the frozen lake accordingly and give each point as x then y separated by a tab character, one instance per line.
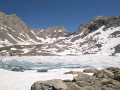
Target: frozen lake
56	66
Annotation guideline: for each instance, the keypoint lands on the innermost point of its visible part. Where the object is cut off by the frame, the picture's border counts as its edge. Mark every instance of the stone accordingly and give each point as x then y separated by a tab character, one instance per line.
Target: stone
75	87
105	81
37	86
116	72
104	73
83	77
115	82
68	82
81	83
73	72
55	84
92	88
117	77
102	80
91	70
113	70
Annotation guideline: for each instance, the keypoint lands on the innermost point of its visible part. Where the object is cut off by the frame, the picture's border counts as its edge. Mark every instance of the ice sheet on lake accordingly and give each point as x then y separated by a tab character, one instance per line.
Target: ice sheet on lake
64	61
57	66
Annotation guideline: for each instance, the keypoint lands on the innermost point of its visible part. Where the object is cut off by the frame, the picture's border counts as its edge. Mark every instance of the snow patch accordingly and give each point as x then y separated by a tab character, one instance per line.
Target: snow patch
13	49
25	50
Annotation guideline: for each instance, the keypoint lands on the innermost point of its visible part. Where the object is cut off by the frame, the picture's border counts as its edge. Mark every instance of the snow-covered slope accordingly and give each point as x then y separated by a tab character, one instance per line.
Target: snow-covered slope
99	36
13	30
100	42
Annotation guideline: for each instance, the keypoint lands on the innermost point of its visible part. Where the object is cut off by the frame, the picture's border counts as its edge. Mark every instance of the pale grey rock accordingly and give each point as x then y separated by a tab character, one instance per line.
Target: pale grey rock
104	73
55	84
91	70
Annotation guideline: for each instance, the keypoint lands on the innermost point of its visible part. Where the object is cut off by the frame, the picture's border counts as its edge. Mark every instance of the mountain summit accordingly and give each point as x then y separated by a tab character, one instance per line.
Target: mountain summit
99	36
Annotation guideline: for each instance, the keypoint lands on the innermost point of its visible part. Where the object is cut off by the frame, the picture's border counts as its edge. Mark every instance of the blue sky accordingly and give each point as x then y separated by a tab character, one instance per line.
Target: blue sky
70	13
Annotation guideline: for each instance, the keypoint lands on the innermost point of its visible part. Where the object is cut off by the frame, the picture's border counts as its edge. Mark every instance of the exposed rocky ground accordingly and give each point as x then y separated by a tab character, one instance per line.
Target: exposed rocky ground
104	79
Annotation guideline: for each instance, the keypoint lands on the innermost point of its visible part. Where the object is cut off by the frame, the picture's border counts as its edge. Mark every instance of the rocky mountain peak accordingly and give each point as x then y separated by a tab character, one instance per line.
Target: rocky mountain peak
96	23
99	17
56	29
53	32
14	22
61	27
2	14
113	21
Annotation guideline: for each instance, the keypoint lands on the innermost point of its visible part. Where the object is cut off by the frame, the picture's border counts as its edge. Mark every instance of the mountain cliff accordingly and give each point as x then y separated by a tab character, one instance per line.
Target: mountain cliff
99	36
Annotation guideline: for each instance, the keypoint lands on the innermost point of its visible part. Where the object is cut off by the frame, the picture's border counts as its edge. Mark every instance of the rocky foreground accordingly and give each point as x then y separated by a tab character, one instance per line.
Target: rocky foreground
104	79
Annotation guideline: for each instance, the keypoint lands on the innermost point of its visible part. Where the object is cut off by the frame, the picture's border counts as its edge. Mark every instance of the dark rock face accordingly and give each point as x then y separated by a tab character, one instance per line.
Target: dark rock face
96	23
113	22
105	79
117	49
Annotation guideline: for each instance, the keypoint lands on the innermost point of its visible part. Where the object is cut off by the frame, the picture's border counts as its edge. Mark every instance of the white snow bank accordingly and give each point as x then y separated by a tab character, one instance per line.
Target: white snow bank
23	80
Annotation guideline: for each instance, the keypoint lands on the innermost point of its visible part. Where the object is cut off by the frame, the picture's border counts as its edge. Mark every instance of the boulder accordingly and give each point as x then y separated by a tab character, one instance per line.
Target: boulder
84	77
68	82
81	83
84	80
116	72
73	72
55	84
104	73
75	87
37	86
91	70
105	81
117	76
113	70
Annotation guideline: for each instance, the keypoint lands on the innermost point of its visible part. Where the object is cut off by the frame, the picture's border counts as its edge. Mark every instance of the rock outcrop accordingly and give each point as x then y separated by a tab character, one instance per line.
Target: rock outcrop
55	84
91	70
96	23
105	79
